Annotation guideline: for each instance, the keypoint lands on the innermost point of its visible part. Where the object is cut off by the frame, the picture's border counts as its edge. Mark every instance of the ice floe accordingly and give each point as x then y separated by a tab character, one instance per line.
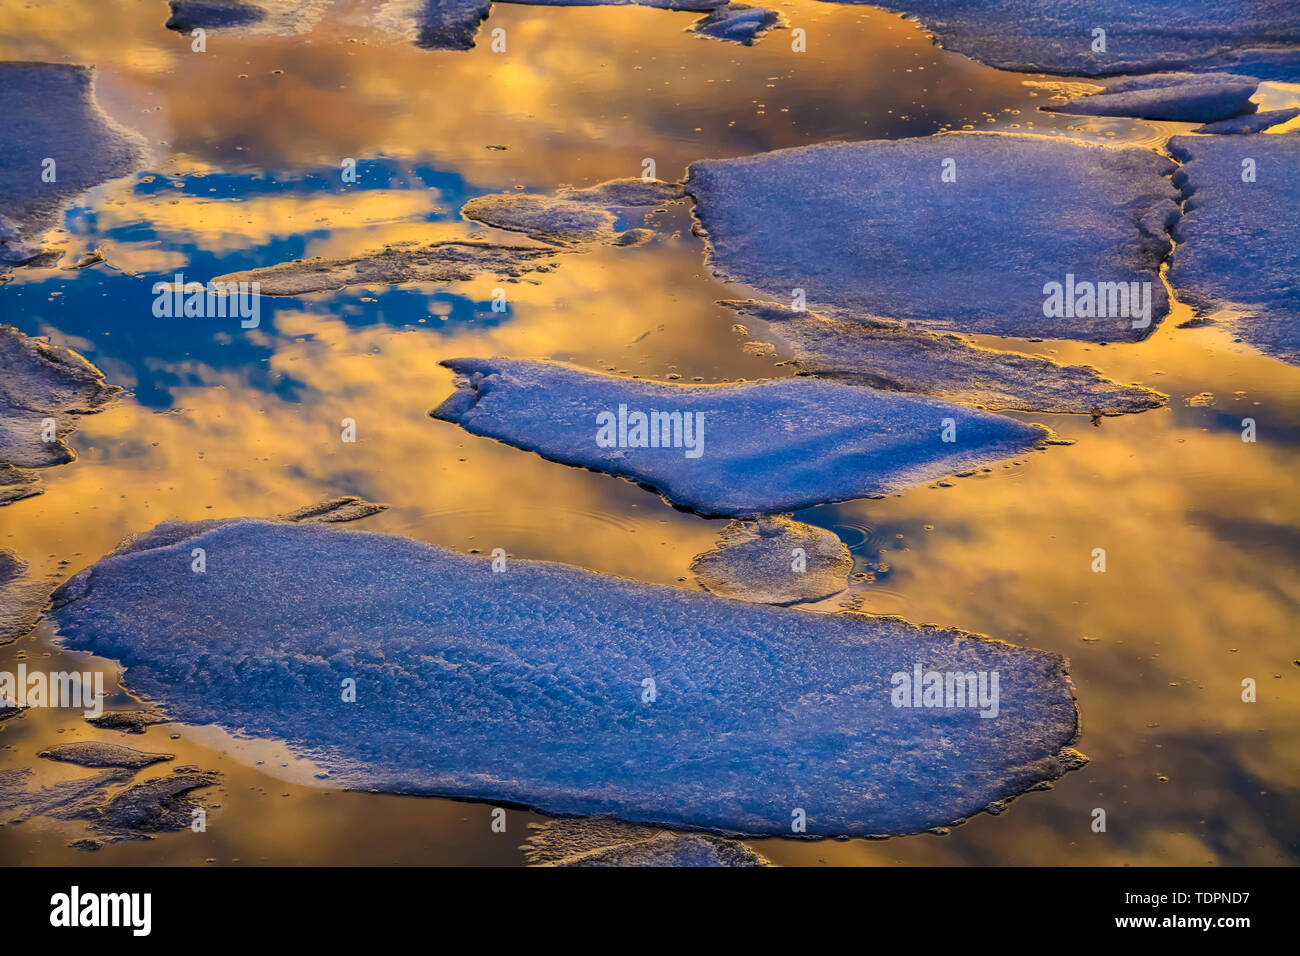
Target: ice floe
1180	97
968	232
1252	123
346	508
57	143
114	808
44	388
1237	249
449	261
739	450
95	753
890	356
571	216
572	692
774	560
1061	37
611	843
738	23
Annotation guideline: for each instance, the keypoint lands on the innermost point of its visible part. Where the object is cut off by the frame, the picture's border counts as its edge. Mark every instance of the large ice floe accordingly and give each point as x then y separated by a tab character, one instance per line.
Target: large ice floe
44	389
1180	97
890	356
56	144
1237	241
568	691
739	450
1001	234
1260	37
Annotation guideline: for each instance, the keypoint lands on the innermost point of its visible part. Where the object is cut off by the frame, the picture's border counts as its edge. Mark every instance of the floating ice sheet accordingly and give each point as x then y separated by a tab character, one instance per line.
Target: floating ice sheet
1180	97
889	356
873	228
450	261
610	843
740	450
572	216
1261	37
737	23
564	690
1237	246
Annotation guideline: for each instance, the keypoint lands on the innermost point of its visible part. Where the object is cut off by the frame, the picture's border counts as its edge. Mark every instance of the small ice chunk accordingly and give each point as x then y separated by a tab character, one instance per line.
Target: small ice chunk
1237	250
969	232
890	356
571	692
774	560
346	508
1254	123
95	753
738	23
127	721
449	261
738	450
571	216
1181	97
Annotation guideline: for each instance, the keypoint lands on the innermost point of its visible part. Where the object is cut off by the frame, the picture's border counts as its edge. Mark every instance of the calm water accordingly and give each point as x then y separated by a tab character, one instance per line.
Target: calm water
245	144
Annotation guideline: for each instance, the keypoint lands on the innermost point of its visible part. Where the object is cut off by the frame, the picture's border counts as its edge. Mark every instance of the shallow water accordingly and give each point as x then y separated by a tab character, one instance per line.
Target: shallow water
245	145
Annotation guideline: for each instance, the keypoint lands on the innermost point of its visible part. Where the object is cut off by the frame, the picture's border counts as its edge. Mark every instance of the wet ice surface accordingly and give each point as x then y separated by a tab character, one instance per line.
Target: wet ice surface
335	510
95	753
557	688
774	560
1253	123
44	388
50	114
1237	246
451	261
1182	97
872	228
611	843
738	23
573	216
127	721
739	450
1033	36
889	356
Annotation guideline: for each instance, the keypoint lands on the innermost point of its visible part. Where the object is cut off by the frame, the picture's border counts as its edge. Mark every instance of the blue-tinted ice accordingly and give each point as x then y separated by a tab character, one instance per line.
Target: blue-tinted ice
962	232
564	690
739	450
